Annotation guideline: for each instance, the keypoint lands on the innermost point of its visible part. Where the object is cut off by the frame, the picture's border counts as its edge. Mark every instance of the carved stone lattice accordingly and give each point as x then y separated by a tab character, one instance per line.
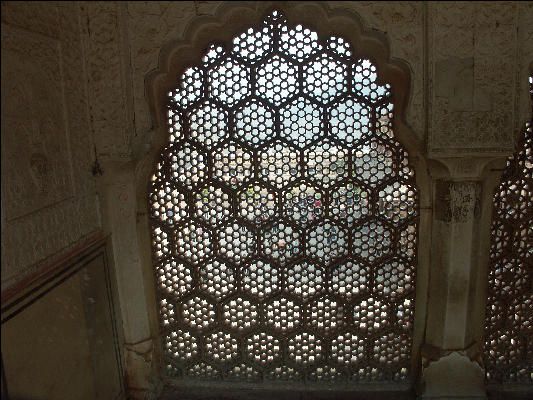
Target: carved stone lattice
284	215
508	354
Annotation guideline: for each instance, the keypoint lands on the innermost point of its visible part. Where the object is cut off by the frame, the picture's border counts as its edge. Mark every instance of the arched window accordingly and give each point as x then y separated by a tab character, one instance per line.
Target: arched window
284	215
508	354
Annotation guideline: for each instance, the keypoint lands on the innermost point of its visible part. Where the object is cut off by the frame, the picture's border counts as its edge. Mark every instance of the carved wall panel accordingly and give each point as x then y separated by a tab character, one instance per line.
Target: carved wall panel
109	80
472	76
48	193
33	124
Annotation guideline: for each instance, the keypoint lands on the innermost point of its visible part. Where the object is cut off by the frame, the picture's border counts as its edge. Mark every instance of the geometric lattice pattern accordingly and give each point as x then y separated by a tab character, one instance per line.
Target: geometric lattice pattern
284	216
508	354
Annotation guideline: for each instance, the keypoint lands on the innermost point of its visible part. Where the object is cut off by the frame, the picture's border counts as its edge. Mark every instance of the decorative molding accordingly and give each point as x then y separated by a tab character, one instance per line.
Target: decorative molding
34	130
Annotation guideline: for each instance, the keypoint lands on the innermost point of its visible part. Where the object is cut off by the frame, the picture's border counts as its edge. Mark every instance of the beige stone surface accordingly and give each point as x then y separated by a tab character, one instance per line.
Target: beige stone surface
48	193
473	70
62	345
74	87
454	377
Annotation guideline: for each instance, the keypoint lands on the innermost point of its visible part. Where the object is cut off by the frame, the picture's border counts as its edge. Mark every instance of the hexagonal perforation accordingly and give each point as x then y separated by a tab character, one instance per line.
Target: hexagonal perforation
190	88
284	215
214	53
213	204
254	123
175	126
283	373
168	203
350	121
397	202
303	203
233	164
384	117
203	370
350	279
242	373
217	279
371	315
304	279
391	348
279	164
221	347
325	78
260	279
283	314
365	82
208	124
198	313
252	45
304	348
374	163
393	278
193	242
281	243
235	242
240	313
301	122
276	80
348	348
228	82
187	165
327	373
327	242
181	345
263	348
257	204
299	43
408	241
167	312
326	315
340	47
160	242
350	202
373	240
502	241
174	277
326	163
405	314
509	277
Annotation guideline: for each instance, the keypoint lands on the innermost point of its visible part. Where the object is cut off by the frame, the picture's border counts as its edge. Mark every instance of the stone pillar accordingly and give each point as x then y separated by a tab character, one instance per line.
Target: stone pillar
118	189
454	376
451	353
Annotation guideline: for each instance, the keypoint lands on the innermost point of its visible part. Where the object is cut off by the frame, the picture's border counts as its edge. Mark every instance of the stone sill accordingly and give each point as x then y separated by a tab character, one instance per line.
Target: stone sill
196	390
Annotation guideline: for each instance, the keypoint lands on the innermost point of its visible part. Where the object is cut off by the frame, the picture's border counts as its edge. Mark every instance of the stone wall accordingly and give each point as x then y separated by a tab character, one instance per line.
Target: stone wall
49	198
474	56
73	87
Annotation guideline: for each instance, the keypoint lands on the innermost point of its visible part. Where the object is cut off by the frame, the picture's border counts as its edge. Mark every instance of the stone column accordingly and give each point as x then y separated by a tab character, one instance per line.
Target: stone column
119	205
451	353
